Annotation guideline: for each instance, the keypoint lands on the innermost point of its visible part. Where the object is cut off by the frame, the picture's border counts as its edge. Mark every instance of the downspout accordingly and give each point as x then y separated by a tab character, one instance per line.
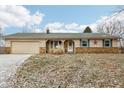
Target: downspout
120	45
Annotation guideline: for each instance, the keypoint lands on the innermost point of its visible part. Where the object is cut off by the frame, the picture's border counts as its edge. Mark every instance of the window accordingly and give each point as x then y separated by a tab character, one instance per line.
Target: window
107	43
56	44
84	43
70	43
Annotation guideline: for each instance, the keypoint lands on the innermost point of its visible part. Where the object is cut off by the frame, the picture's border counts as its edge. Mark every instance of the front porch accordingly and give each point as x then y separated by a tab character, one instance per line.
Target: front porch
60	46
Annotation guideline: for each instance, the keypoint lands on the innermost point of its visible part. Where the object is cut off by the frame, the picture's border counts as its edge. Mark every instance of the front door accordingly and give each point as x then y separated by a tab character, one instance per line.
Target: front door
70	47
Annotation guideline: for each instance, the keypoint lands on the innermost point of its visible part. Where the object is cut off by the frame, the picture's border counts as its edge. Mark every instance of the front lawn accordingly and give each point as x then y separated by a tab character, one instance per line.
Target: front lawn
71	70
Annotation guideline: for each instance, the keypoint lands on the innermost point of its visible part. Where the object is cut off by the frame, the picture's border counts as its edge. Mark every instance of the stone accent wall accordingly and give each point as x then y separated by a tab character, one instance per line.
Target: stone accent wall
97	50
122	50
7	50
42	50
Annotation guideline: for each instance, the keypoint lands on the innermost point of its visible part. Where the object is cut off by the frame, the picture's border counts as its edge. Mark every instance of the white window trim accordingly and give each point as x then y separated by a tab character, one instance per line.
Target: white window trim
86	41
110	43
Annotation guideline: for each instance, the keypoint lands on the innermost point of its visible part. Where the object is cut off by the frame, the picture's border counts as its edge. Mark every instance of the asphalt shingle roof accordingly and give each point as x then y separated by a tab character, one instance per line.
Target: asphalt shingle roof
60	36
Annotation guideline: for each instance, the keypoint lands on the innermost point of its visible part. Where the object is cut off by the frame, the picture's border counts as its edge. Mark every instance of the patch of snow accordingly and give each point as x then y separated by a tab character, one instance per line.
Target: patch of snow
8	66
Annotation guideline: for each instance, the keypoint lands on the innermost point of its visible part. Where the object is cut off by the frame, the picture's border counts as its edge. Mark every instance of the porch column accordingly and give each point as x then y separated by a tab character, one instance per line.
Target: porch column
62	46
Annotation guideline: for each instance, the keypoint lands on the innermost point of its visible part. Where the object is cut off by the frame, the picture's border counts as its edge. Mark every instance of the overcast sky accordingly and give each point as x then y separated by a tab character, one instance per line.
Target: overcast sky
15	19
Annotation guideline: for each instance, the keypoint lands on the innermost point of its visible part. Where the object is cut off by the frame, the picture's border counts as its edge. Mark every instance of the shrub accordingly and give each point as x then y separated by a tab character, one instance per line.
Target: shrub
57	51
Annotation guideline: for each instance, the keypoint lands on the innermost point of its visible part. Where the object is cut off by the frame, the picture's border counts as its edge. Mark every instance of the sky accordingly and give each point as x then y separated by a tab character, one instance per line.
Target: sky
58	18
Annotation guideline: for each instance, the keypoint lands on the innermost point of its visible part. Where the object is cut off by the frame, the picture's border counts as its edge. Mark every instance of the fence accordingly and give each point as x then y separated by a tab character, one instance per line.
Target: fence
2	50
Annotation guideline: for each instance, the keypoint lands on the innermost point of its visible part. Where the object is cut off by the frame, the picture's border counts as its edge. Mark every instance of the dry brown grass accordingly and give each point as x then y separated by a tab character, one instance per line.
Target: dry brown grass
71	70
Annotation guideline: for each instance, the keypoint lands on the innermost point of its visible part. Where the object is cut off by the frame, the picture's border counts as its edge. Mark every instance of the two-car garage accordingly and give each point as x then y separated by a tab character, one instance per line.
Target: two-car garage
25	47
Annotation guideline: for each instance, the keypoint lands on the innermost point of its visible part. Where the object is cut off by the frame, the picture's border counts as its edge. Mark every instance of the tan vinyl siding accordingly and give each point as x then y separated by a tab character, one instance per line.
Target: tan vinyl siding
98	44
42	43
77	43
114	43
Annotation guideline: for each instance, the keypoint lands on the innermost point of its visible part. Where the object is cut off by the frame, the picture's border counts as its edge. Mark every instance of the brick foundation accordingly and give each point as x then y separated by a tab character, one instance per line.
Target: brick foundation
42	50
80	50
97	50
122	50
7	50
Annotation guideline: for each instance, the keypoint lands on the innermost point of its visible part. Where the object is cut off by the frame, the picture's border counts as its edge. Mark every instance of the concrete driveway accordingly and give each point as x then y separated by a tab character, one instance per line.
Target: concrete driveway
9	64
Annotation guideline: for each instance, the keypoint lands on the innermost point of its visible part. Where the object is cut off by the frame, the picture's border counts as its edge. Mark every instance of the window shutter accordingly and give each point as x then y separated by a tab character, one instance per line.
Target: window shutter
103	42
88	43
80	42
111	42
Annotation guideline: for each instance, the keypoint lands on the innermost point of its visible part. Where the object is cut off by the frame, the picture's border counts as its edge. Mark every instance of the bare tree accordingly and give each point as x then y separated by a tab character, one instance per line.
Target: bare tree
113	25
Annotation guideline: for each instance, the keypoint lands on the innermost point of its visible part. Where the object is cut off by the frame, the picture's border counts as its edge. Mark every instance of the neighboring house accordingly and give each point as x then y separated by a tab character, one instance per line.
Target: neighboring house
38	43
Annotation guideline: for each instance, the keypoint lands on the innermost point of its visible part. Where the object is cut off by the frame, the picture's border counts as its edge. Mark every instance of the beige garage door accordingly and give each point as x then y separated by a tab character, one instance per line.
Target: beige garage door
25	47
